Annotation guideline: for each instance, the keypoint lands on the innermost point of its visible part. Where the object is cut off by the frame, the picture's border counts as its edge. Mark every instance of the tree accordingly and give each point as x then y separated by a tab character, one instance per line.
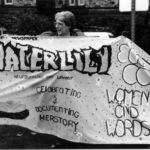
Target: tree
45	6
29	23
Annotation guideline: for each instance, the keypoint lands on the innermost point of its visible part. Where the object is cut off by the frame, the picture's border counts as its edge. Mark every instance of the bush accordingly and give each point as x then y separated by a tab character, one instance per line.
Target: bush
29	23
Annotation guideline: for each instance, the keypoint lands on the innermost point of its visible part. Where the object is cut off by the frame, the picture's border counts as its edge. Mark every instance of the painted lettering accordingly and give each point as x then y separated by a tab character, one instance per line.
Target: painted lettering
28	58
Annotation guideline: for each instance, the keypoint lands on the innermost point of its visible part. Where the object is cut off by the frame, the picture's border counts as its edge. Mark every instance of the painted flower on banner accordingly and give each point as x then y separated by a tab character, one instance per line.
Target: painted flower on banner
139	69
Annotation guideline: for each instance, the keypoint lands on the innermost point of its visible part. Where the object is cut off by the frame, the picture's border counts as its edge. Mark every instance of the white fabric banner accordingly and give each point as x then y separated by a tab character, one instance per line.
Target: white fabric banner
85	89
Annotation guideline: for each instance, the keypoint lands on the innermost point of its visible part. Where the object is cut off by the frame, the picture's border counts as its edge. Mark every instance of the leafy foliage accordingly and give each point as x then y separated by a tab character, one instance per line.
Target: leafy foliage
29	23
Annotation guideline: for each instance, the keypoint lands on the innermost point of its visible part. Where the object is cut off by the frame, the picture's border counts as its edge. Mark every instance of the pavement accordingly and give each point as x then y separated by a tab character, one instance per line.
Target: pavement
16	137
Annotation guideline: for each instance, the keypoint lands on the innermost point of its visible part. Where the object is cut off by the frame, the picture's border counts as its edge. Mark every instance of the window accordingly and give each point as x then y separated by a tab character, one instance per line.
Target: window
81	2
60	3
72	2
8	2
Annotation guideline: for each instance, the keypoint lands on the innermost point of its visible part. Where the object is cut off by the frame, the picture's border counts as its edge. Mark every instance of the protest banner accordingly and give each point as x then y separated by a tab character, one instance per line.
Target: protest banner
84	89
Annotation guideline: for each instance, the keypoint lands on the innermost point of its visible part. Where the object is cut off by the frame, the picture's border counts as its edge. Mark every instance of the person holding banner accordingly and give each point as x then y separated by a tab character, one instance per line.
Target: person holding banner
64	23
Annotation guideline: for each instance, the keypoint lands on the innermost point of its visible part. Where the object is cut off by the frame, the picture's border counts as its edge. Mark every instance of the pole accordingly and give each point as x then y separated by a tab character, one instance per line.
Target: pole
133	21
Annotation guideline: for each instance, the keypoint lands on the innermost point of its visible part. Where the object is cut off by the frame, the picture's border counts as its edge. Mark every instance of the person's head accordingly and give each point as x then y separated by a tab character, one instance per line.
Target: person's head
64	23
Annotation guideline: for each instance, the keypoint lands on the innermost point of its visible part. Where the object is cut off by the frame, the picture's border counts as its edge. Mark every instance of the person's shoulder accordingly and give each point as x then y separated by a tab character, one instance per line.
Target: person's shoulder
48	33
77	32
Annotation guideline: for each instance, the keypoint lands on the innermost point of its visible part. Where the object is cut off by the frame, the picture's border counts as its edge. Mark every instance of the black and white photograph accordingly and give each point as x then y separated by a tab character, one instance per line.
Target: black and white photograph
74	74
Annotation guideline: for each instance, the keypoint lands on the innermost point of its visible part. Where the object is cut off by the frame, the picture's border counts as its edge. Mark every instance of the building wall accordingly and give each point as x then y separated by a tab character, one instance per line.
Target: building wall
87	3
18	3
101	3
24	2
